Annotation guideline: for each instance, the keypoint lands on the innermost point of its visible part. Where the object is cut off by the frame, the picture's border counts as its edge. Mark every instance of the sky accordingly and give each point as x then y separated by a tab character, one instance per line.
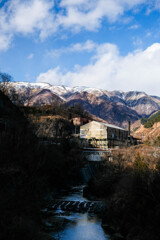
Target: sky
106	44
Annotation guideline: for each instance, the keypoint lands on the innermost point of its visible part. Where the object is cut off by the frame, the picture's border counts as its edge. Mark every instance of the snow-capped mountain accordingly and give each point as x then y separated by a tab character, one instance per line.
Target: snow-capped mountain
112	106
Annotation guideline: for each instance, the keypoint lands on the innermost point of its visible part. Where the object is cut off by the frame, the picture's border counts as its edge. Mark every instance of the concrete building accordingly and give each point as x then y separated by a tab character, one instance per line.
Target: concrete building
103	135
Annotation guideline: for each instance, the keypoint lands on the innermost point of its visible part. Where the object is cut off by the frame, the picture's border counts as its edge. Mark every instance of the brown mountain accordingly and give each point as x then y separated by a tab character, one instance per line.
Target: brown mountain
150	134
45	96
111	112
142	103
113	106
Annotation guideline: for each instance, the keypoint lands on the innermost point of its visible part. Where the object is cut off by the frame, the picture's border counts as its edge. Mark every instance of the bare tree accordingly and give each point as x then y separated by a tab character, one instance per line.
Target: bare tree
8	90
5	79
15	97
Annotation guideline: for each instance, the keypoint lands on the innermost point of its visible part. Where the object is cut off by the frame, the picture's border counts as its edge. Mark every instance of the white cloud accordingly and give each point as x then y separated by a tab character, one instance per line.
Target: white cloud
89	13
87	46
136	71
134	27
52	75
153	5
26	17
30	56
30	16
41	17
148	34
137	42
157	4
5	41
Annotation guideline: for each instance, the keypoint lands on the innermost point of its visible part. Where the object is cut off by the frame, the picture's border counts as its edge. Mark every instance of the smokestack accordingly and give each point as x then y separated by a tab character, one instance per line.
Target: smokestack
129	128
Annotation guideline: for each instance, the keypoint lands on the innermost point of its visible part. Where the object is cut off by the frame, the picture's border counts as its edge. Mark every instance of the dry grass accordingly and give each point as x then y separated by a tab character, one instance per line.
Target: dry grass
40	119
150	154
151	133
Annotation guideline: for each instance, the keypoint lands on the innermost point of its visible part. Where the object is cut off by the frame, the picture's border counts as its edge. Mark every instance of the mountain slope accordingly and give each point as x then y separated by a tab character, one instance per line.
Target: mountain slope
45	96
150	129
142	103
113	106
148	133
111	112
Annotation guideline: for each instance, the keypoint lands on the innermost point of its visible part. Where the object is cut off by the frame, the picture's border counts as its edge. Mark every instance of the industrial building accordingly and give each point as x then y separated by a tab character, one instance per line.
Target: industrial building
104	135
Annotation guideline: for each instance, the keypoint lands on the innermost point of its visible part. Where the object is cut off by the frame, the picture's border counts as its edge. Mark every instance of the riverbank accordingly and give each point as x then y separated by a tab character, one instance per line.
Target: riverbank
72	216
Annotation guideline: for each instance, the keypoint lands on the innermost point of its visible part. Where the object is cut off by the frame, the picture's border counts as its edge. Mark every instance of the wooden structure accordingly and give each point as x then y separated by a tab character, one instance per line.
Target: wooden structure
103	135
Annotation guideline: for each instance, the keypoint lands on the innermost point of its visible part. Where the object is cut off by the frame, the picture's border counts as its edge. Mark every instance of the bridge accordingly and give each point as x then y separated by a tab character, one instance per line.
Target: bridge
76	206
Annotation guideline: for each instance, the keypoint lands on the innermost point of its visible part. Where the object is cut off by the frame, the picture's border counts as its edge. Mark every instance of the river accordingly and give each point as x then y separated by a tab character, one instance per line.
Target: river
74	225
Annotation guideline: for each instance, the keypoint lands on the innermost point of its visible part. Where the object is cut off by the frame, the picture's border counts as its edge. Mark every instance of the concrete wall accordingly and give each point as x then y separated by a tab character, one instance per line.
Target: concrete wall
93	130
117	137
103	136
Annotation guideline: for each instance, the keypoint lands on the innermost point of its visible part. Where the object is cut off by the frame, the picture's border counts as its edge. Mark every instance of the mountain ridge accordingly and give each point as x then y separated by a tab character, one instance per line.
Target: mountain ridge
116	107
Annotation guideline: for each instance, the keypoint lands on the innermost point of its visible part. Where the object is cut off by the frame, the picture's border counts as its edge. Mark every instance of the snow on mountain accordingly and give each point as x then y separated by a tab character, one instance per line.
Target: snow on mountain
63	90
138	101
23	85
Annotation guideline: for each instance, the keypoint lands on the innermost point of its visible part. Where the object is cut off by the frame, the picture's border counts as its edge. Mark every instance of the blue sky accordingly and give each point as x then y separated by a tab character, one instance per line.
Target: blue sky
108	44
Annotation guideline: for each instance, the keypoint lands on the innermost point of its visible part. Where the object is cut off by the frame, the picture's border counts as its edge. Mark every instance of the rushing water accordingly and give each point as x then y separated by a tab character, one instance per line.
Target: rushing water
95	156
77	226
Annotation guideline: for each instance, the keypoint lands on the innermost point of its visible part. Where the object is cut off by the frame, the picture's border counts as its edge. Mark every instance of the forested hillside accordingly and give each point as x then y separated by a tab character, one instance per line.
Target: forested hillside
149	122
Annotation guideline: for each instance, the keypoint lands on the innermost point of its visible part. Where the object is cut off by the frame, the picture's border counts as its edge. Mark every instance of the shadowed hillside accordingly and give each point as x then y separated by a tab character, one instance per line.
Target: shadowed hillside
29	172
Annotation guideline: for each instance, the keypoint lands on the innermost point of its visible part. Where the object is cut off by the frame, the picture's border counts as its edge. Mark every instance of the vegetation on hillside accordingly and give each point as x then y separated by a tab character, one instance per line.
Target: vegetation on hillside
157	141
149	122
57	109
54	121
132	192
